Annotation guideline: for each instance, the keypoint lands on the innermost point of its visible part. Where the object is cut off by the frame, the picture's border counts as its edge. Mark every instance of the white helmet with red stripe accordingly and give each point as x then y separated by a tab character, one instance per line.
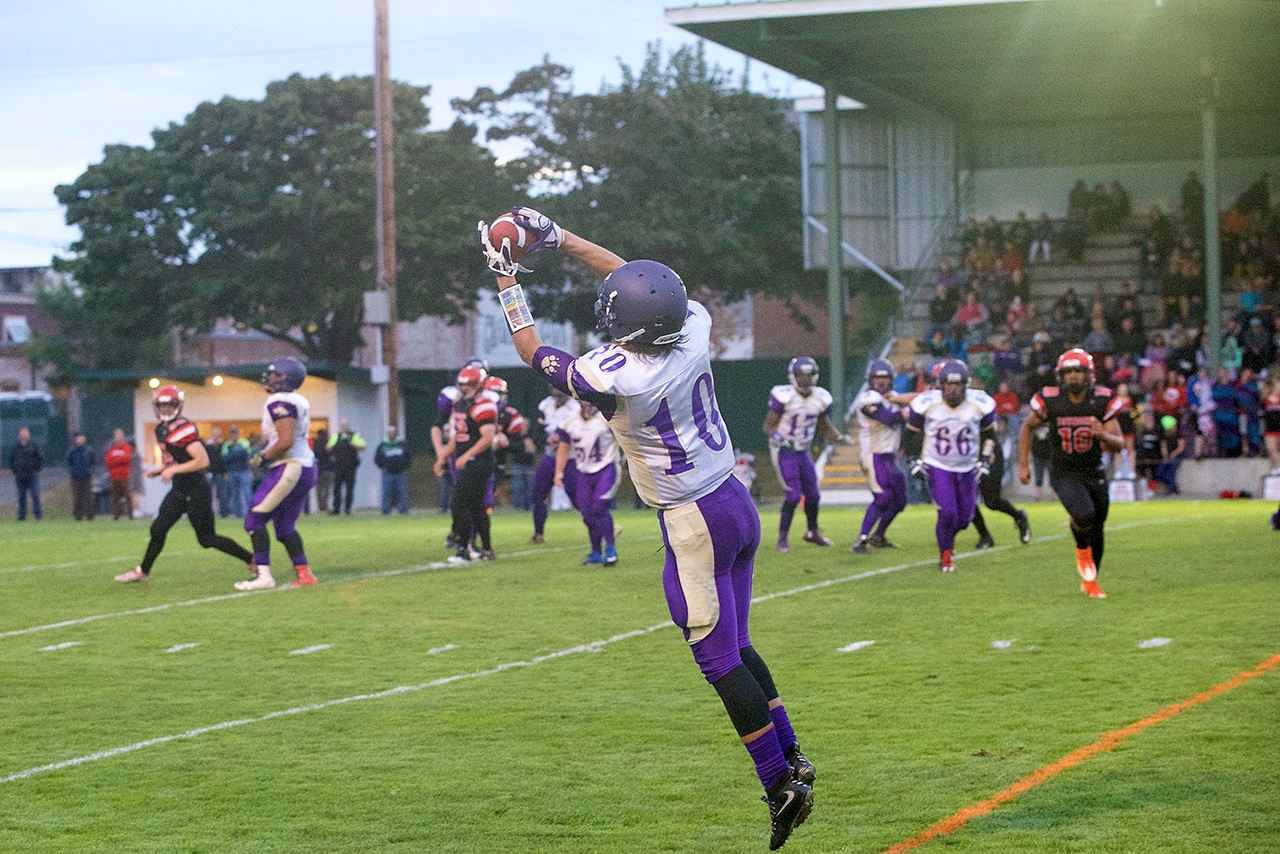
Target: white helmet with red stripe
471	379
1075	359
167	402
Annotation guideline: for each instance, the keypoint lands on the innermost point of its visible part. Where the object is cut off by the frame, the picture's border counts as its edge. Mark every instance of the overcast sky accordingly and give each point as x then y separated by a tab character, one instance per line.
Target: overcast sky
76	75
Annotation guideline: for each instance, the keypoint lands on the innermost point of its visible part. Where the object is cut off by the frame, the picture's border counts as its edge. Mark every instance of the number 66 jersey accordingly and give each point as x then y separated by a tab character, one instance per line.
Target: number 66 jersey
662	410
951	433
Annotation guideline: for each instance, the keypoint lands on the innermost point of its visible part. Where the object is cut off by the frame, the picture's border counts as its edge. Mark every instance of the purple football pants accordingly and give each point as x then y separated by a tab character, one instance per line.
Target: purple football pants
955	494
595	503
888	493
711	548
798	475
284	515
544	478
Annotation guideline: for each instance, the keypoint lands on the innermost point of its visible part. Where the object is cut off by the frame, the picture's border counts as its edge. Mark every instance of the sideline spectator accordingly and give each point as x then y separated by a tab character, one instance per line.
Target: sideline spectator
324	470
217	471
119	462
1172	447
1129	341
974	318
25	460
1200	404
80	461
1250	400
1099	342
1008	407
393	458
942	307
1226	415
236	453
344	448
136	474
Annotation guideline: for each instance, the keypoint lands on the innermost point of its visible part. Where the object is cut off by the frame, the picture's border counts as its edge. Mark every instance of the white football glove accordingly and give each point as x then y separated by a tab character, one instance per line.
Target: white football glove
497	260
547	235
984	468
916	467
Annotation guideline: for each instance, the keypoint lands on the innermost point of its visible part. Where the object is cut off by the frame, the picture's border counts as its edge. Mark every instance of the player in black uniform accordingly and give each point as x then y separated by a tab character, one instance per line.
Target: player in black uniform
990	475
185	461
1081	418
470	448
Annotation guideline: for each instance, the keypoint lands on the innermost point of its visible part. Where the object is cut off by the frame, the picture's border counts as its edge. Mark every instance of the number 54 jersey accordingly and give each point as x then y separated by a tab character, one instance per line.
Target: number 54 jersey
951	433
663	412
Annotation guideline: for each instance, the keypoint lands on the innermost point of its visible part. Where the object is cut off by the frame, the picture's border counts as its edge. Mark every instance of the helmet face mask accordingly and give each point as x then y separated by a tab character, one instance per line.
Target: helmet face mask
167	402
642	302
1077	364
803	372
953	379
470	380
880	376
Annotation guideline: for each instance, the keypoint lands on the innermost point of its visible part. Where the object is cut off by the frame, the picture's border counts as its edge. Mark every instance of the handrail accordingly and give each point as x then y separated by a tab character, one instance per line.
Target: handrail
859	257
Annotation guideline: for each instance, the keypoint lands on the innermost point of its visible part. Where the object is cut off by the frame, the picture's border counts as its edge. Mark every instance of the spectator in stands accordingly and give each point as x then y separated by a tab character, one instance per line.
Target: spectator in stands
1079	202
1042	235
949	277
1256	198
936	346
942	307
1118	205
1099	341
1129	341
1072	239
1271	421
1226	415
974	317
1155	360
1232	356
969	235
993	231
1256	346
1200	407
1069	312
1013	320
1012	259
1124	418
1021	232
957	347
982	258
1169	397
1032	322
1249	398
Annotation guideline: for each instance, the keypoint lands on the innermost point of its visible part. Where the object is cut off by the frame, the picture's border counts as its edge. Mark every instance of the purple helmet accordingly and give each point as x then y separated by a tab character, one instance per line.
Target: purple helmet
880	368
953	371
642	302
802	366
290	371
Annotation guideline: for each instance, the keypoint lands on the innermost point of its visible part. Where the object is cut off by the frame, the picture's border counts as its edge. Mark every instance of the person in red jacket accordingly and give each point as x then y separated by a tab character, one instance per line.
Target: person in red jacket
119	462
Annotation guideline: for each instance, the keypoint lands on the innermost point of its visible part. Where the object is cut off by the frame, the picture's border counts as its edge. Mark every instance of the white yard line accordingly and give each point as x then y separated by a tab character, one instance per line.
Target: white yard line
593	646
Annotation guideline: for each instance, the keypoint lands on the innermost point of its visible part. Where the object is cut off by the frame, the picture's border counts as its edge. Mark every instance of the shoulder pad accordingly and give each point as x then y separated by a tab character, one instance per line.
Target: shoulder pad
1049	391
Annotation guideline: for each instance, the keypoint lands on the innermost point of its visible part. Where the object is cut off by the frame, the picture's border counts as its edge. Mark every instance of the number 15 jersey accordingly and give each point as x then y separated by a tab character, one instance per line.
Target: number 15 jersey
663	412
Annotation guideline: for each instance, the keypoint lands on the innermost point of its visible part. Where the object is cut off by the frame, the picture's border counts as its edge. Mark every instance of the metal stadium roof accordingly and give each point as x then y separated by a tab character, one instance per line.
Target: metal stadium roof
1013	61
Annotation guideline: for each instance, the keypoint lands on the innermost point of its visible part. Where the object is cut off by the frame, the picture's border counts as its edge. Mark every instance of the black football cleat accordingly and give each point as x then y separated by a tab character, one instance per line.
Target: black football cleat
861	547
878	541
790	803
985	543
1024	526
800	764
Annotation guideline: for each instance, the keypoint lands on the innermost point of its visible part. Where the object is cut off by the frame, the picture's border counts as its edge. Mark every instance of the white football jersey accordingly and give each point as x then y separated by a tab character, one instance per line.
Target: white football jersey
666	421
289	404
554	416
799	413
591	443
951	435
874	436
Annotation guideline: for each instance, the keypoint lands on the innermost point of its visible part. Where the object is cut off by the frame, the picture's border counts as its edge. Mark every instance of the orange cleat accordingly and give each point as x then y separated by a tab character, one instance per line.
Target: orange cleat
1092	589
305	578
133	575
1085	566
946	564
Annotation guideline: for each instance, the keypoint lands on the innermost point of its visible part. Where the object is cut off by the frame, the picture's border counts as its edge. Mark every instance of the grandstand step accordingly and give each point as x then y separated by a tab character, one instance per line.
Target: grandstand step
845	497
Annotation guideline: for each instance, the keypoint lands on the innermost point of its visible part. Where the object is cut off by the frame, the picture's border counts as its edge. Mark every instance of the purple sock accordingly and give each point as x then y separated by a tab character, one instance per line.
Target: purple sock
782	725
771	765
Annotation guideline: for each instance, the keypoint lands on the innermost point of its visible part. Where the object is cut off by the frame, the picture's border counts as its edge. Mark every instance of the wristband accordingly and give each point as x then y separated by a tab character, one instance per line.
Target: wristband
515	308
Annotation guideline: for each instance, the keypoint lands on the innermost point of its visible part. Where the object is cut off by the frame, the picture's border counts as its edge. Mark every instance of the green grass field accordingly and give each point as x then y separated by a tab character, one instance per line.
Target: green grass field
534	705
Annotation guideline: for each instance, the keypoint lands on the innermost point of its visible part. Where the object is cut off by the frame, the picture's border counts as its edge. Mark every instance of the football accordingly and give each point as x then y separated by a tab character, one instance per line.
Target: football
505	229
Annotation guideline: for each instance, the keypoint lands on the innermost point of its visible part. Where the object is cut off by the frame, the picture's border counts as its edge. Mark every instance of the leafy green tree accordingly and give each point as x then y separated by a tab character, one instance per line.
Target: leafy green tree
680	163
264	210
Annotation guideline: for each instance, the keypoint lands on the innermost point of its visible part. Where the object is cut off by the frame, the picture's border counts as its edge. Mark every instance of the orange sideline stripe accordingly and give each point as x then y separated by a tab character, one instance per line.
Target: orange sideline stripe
1107	742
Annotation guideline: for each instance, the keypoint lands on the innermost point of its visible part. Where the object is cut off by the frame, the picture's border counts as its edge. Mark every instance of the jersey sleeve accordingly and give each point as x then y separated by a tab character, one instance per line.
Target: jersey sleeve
576	377
183	434
280	408
484	411
1111	405
1038	405
778	397
517	424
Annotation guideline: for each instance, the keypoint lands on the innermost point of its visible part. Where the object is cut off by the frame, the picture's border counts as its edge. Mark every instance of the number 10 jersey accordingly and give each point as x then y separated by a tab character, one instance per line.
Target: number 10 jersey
663	413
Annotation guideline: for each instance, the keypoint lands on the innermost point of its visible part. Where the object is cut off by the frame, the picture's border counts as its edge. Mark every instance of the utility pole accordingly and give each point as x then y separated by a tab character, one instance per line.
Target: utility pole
386	204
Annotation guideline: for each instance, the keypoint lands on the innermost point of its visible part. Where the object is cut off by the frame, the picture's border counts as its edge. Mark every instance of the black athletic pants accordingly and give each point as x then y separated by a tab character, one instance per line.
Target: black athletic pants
1085	496
197	503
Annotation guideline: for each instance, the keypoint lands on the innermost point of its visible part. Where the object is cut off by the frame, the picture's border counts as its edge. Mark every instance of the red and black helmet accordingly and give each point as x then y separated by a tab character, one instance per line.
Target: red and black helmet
167	402
1075	359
